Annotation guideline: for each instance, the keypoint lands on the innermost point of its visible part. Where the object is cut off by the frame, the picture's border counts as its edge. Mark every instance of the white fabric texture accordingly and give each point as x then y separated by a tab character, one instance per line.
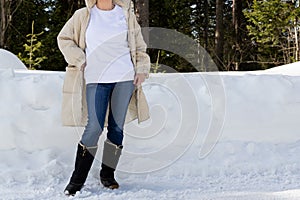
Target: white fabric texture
108	55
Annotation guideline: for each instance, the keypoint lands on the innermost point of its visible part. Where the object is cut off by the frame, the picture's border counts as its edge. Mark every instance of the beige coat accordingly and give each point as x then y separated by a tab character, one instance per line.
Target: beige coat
71	42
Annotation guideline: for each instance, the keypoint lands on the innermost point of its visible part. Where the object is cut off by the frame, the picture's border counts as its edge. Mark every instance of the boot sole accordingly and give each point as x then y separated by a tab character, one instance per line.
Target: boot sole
112	187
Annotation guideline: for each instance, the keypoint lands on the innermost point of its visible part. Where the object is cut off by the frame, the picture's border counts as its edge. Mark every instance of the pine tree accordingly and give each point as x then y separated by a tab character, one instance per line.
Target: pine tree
272	27
31	49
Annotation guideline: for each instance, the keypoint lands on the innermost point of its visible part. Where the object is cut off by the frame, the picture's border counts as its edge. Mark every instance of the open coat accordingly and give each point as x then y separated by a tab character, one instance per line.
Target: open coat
71	42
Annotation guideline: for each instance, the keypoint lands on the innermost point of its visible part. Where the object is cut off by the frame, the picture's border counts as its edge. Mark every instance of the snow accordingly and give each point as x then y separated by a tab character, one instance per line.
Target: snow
289	69
227	135
9	60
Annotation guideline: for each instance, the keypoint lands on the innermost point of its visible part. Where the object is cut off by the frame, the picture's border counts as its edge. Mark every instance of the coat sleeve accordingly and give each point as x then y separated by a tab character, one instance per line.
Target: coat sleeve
143	62
73	54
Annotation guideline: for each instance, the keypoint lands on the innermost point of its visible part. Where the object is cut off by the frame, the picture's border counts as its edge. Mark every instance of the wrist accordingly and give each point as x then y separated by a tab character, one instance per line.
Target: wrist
144	74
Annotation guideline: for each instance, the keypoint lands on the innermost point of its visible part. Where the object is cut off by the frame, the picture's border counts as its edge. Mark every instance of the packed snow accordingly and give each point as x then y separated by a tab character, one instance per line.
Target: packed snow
211	136
10	60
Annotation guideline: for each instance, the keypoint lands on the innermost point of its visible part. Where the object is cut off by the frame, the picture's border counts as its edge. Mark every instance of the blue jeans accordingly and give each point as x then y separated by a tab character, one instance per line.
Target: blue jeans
98	96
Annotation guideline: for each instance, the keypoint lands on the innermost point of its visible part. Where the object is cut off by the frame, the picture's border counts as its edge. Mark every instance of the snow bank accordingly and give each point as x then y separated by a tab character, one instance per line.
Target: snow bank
292	69
30	110
258	107
10	61
253	115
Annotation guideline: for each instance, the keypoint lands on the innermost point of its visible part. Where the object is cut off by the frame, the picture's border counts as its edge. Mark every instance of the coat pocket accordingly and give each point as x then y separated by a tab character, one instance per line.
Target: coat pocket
73	80
71	111
72	102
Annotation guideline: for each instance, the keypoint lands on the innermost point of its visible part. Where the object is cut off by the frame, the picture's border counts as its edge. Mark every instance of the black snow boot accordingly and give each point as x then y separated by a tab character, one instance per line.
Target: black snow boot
84	160
110	159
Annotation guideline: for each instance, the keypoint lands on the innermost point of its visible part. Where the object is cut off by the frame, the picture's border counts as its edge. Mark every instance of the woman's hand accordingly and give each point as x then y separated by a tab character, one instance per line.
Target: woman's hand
82	66
139	79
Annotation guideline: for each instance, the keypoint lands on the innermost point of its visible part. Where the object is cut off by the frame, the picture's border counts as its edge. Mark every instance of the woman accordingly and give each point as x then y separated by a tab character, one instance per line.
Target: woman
104	41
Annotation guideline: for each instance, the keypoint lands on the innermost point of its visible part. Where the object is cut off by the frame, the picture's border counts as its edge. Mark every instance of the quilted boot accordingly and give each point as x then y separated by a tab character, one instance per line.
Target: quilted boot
110	159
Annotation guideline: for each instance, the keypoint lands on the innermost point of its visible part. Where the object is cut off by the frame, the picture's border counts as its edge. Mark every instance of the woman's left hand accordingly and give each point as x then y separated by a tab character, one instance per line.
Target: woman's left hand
139	79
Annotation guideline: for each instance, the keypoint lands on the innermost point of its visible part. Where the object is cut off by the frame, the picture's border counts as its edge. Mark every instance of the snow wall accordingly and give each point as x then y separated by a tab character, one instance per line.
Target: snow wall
259	106
249	127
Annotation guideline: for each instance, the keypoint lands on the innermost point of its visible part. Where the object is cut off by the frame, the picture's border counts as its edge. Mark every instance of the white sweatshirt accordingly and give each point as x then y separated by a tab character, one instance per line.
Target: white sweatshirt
108	55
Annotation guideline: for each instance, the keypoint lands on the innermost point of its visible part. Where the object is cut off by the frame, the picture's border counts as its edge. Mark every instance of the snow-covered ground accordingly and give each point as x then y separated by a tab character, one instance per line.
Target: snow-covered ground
211	136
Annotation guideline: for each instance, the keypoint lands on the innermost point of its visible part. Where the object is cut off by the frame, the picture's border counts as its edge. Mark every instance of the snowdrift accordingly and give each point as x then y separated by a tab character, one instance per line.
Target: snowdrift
247	122
10	61
258	107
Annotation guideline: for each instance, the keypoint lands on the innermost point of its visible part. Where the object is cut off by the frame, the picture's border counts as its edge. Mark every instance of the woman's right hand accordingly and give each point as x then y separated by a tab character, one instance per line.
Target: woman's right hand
82	66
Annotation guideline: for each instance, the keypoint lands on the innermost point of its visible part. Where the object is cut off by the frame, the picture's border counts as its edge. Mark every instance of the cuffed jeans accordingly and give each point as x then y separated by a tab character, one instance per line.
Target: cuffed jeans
98	96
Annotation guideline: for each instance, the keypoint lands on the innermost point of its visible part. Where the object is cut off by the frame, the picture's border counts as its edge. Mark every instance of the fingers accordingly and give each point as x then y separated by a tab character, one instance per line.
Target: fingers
83	67
135	80
138	79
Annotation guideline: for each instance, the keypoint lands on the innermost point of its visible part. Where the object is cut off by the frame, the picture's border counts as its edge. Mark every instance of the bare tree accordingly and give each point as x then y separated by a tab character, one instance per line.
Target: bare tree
141	8
237	13
219	34
206	24
3	22
7	10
